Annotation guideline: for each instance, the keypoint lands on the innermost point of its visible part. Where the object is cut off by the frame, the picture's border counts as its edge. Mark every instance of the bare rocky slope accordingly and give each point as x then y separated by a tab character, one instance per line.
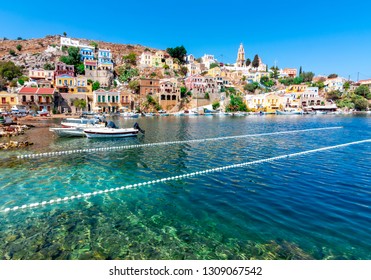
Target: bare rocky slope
36	52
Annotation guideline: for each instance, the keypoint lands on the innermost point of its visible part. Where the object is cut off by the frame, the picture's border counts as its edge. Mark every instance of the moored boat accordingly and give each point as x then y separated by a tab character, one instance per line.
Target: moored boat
68	131
112	131
289	111
129	115
84	123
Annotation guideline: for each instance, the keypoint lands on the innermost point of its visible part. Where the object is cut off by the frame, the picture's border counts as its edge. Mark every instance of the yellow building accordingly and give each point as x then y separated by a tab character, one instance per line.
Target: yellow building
83	86
297	88
267	102
65	83
214	72
8	100
272	102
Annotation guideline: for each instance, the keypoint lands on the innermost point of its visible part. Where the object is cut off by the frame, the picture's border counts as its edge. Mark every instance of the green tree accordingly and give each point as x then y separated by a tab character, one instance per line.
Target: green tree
19	38
297	80
318	84
255	62
300	71
126	73
178	52
65	34
216	105
362	90
213	65
12	52
134	85
345	103
80	69
74	58
131	58
207	96
360	103
307	76
21	81
274	74
183	92
13	83
95	85
48	66
334	95
79	103
251	87
236	104
331	76
266	82
346	86
9	71
248	62
19	47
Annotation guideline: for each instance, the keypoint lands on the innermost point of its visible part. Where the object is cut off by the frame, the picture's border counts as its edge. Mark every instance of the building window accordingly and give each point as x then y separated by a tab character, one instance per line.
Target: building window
103	98
11	99
109	98
98	98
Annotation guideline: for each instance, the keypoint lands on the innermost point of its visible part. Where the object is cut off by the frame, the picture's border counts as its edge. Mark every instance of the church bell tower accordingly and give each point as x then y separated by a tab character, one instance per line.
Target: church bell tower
240	62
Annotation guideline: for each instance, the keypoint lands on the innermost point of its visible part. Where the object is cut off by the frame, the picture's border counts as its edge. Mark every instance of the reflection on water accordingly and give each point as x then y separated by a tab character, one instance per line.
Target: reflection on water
310	207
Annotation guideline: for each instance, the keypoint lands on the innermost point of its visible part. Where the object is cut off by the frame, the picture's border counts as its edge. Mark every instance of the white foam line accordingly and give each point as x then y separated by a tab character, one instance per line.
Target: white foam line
217	169
90	150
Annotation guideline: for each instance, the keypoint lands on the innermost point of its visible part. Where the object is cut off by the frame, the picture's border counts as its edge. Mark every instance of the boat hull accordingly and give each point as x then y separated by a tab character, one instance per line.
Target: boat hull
111	132
278	112
68	132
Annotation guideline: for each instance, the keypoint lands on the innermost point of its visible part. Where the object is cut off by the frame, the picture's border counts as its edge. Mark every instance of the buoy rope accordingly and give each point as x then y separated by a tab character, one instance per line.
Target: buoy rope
197	173
90	150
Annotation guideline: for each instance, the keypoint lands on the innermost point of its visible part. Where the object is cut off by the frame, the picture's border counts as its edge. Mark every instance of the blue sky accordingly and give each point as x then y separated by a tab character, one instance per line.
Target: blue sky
323	37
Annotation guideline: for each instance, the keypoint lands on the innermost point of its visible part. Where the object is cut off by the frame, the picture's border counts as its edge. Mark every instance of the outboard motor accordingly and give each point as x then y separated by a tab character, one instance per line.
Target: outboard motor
136	126
111	124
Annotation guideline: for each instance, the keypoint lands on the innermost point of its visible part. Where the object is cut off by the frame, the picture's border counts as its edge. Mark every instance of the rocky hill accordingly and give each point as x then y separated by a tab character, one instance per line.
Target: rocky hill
36	52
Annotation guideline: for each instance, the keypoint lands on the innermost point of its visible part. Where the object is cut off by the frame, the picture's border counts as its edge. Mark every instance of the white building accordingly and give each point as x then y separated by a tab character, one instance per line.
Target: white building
207	60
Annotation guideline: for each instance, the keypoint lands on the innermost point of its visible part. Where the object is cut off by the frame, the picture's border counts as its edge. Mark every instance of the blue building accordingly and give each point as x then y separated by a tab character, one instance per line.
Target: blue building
105	59
87	54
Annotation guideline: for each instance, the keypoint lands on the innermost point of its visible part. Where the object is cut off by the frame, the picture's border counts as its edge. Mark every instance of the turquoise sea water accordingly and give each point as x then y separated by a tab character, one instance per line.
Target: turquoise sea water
314	206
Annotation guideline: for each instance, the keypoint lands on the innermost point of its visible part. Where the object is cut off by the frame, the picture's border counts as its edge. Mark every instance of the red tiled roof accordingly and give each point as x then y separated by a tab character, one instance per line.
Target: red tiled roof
28	90
33	90
45	91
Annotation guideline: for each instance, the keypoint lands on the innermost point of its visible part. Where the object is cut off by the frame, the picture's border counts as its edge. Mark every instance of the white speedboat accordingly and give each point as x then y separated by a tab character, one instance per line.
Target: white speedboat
319	112
289	111
106	132
129	115
68	131
83	123
112	131
75	127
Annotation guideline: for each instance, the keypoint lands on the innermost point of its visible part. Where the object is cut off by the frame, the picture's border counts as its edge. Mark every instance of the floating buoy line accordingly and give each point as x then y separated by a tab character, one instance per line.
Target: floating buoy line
90	150
173	178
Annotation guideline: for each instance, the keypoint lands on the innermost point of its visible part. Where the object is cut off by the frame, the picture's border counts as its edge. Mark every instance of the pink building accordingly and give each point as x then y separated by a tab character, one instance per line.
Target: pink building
291	72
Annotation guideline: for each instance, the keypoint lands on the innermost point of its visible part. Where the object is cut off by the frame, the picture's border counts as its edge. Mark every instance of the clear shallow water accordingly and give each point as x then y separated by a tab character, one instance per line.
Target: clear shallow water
315	206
